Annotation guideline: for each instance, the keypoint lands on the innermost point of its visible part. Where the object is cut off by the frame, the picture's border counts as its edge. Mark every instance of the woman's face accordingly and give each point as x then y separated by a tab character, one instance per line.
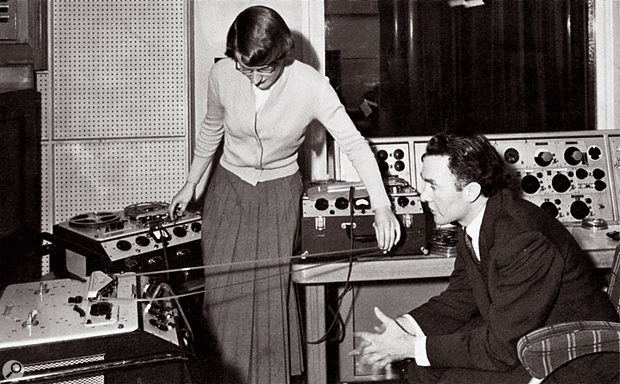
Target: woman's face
262	77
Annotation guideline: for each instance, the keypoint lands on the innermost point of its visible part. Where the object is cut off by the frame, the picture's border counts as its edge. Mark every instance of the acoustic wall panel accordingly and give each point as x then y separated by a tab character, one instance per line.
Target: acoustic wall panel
43	87
108	176
120	68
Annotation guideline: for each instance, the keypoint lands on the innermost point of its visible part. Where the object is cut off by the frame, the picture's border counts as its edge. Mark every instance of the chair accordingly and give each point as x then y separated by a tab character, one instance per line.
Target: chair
545	349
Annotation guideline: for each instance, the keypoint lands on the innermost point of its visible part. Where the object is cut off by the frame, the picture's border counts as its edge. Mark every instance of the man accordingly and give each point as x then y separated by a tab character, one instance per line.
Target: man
517	269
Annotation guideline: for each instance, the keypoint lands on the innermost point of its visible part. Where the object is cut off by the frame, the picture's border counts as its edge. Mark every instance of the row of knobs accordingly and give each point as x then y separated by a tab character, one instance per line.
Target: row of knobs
322	204
560	182
578	209
143	241
572	156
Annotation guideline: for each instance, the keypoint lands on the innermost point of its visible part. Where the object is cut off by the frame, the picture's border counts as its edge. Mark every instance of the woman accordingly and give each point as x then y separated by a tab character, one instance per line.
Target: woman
259	103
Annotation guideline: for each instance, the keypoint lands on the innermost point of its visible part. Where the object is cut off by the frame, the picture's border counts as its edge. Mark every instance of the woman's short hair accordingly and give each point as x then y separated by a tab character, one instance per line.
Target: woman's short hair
259	36
471	158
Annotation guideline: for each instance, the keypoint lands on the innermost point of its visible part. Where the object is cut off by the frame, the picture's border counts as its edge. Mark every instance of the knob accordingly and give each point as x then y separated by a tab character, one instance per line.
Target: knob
179	231
544	158
600	185
573	155
384	167
581	173
123	245
195	227
382	155
598	173
130	264
594	153
550	208
399	154
321	204
142	241
560	183
342	203
530	184
399	166
403	201
579	210
511	156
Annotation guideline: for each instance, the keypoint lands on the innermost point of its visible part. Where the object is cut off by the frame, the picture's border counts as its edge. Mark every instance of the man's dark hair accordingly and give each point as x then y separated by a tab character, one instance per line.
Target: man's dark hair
471	158
259	36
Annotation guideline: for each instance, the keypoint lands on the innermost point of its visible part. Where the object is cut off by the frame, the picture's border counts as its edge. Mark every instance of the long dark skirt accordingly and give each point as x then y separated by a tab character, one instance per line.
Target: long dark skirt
249	232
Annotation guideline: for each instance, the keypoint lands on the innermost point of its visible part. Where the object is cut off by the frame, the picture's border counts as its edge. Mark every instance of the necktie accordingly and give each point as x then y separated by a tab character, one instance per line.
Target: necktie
470	247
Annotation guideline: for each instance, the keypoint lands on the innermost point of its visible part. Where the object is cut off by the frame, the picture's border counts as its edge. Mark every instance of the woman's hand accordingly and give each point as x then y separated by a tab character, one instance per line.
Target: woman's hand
179	202
387	228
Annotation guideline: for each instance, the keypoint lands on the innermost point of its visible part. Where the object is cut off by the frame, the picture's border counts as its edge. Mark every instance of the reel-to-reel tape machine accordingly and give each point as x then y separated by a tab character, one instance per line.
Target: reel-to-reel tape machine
141	237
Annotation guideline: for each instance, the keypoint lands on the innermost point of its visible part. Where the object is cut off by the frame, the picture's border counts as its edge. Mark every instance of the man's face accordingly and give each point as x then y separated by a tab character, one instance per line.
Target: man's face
439	191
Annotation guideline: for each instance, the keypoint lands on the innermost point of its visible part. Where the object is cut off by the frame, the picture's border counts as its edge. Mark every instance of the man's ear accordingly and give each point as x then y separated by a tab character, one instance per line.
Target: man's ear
472	191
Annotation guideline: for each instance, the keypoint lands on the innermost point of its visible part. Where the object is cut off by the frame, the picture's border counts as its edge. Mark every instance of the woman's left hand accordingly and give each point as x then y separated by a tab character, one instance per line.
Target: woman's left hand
387	228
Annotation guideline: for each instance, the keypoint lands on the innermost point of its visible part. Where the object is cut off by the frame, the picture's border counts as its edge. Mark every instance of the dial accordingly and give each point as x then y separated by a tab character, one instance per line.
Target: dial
321	204
403	201
560	183
342	203
594	152
544	158
195	227
399	166
530	184
550	208
573	155
511	156
142	241
382	155
581	173
598	173
179	231
123	245
579	210
600	185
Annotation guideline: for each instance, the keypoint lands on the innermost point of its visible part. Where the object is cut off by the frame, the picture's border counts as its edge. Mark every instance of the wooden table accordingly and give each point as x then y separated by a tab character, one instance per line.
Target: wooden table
314	276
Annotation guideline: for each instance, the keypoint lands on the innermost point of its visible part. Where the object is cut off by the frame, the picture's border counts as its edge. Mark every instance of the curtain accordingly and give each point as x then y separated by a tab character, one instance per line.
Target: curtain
505	66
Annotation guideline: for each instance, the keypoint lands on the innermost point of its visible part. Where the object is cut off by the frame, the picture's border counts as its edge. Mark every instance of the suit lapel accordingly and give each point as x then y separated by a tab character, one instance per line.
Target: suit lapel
477	275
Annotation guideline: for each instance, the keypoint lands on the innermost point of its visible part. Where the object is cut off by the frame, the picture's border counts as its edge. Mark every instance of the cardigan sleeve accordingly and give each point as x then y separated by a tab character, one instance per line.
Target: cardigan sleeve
211	129
331	113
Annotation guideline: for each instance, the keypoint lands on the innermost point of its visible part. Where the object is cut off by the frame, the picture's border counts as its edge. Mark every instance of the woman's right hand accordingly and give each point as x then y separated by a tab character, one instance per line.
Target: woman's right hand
179	202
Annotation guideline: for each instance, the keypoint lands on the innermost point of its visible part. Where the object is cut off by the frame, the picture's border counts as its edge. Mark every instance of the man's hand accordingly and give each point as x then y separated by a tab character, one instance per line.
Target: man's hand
390	343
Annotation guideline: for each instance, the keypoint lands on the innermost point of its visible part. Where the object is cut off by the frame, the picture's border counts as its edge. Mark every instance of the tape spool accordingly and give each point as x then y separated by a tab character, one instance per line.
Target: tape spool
93	219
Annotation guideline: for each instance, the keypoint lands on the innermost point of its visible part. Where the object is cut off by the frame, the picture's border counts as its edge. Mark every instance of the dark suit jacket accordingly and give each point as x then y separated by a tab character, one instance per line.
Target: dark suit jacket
531	273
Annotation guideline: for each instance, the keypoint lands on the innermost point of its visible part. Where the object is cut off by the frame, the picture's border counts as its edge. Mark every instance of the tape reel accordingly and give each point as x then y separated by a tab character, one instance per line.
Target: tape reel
93	219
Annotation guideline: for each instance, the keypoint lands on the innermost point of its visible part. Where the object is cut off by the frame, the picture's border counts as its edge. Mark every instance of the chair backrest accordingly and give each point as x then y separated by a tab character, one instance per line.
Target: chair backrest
614	281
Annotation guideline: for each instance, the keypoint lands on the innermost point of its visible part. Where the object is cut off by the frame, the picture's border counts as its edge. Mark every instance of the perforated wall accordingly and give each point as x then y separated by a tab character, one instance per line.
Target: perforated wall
108	176
43	87
120	104
46	213
120	68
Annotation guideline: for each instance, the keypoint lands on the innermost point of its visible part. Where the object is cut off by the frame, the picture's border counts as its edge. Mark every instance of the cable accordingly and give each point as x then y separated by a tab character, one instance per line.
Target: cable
337	320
